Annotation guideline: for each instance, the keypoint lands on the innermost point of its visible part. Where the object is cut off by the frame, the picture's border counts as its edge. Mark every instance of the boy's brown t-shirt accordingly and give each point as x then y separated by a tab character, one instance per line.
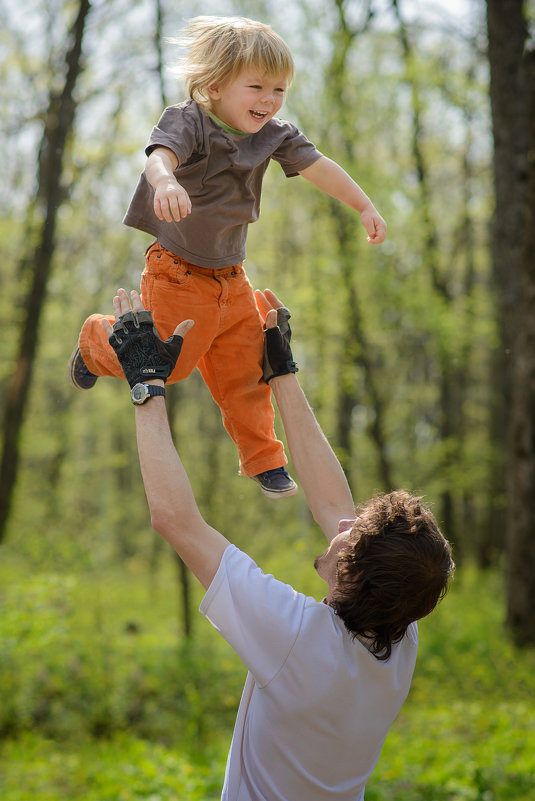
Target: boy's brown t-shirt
222	173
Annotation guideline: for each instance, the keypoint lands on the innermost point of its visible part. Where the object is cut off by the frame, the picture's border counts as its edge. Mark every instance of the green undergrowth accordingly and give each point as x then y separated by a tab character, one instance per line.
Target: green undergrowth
103	701
123	768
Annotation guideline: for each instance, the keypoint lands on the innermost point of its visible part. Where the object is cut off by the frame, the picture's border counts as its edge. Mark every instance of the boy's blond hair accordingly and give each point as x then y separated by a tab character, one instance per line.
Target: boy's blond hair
218	48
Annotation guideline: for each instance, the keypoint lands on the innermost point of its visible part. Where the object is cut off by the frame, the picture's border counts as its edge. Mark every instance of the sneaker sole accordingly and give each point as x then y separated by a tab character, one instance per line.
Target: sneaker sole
276	494
71	372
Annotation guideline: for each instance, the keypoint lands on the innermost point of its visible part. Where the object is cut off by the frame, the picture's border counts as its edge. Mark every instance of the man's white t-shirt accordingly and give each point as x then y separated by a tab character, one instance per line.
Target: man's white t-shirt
317	705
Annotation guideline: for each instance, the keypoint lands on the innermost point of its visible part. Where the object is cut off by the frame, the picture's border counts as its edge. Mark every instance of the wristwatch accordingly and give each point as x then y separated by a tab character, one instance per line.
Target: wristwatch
142	392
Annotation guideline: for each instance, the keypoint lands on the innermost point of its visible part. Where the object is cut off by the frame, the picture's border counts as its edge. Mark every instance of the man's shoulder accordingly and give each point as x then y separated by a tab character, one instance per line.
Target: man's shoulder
248	580
238	562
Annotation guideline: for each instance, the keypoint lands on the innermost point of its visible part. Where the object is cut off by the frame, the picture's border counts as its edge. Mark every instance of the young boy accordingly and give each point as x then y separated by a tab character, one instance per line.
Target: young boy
197	195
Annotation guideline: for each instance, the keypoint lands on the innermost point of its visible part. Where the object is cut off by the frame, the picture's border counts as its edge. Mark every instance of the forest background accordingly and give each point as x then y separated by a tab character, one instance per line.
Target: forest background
418	357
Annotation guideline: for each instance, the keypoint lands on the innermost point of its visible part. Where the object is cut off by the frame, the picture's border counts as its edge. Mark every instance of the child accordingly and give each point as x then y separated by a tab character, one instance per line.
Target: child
199	192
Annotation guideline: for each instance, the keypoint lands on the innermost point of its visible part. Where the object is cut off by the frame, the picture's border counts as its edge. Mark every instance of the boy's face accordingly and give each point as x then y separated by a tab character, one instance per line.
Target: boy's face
248	101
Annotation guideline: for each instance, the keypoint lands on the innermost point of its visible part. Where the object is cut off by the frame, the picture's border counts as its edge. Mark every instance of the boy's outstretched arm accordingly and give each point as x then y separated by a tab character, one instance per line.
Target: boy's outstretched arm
174	512
328	176
318	470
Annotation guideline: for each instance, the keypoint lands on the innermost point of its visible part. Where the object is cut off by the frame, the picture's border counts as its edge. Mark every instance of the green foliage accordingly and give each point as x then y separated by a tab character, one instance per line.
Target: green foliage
99	701
77	450
467	731
101	698
122	768
105	666
467	750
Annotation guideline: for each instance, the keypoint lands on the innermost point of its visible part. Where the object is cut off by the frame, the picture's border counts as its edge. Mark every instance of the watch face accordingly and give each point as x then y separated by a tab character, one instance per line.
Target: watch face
139	393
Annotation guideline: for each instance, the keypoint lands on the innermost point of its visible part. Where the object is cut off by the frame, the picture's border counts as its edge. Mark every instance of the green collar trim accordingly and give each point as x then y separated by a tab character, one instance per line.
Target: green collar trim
224	125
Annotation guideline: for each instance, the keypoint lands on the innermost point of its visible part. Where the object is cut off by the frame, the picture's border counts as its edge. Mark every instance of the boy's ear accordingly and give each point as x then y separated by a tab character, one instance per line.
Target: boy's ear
214	91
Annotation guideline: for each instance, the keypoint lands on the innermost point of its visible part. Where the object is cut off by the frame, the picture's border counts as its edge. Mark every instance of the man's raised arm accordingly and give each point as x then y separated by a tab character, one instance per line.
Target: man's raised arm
173	509
318	470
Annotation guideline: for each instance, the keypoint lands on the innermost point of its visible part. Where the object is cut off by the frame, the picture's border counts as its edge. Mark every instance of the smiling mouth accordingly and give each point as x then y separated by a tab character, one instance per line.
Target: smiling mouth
259	115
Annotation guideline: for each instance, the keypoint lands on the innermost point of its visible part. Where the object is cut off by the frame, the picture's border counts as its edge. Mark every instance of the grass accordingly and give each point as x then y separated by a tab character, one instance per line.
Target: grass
102	701
122	768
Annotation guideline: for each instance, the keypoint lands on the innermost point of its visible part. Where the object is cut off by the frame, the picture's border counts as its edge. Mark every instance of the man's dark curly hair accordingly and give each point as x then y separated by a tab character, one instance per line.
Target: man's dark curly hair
394	569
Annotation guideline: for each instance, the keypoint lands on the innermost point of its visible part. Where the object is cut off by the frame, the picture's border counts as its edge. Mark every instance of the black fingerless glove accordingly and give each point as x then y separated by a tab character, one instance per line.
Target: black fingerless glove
141	352
278	358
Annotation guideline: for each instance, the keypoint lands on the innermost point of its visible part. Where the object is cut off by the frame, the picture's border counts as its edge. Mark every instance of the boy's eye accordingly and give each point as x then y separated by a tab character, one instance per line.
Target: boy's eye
280	89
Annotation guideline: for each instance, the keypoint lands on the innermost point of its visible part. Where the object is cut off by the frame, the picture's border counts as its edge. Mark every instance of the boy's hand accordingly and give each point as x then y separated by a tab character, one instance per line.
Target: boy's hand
374	224
171	201
278	358
141	353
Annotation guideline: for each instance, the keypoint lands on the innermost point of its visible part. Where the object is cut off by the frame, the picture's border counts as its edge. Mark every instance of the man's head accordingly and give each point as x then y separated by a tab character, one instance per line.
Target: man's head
219	48
391	567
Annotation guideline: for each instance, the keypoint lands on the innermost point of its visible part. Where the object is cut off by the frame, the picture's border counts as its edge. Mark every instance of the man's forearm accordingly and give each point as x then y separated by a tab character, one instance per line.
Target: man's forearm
174	511
318	470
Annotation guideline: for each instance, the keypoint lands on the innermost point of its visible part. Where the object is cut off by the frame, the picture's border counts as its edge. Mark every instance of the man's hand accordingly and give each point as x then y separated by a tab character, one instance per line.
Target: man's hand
278	358
134	338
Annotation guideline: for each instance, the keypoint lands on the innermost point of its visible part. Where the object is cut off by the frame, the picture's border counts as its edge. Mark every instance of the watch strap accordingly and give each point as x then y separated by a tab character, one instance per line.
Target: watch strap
151	391
155	390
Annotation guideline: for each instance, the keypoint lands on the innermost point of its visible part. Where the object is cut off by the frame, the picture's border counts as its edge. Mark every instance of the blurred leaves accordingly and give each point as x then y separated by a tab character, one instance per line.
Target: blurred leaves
105	704
91	665
78	457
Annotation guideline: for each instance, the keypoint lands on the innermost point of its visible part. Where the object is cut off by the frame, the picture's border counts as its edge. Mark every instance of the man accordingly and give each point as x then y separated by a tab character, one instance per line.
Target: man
326	679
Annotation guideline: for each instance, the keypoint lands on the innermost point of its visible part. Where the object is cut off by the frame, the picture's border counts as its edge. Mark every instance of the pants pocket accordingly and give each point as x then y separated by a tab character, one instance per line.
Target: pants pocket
165	266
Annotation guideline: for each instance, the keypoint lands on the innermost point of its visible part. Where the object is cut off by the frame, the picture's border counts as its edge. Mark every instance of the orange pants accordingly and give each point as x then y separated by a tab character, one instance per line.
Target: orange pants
226	344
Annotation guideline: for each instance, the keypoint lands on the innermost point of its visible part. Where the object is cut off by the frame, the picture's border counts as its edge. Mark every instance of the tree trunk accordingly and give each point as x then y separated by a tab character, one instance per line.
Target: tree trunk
59	121
507	33
512	76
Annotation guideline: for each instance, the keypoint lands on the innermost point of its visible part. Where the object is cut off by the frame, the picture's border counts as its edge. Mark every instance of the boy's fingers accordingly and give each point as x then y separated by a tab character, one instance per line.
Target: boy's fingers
184	206
107	328
376	229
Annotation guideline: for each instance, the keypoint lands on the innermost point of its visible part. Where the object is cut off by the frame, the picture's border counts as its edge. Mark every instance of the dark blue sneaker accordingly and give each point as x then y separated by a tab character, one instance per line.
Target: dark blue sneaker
276	483
80	377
